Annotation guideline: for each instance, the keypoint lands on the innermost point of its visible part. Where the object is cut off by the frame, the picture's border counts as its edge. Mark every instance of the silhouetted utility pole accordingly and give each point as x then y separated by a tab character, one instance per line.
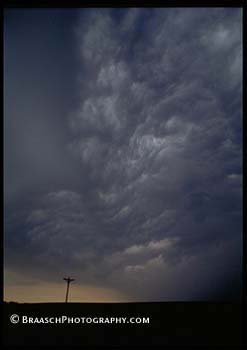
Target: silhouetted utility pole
68	280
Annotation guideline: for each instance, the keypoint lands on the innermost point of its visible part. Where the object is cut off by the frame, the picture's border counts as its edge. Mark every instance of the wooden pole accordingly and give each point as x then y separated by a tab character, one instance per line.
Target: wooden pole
68	280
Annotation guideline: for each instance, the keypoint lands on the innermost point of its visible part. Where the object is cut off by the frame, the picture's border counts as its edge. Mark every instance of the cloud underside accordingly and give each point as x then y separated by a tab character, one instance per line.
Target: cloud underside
157	132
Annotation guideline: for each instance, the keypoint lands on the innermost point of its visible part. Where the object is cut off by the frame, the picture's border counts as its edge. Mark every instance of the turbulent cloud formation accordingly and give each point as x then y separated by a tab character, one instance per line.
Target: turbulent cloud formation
156	132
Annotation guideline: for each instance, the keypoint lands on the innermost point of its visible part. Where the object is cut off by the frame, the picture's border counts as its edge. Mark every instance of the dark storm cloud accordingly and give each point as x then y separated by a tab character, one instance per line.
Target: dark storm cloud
38	88
157	136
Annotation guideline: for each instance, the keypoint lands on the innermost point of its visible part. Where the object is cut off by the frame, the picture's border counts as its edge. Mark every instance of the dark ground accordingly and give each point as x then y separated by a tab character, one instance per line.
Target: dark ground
173	324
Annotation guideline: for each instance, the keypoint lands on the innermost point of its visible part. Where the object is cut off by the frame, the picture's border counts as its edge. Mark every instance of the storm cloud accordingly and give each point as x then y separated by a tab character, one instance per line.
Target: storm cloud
138	183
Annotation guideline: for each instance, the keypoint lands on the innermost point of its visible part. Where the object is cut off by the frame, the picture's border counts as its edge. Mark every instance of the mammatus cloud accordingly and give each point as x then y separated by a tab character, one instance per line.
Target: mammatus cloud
157	135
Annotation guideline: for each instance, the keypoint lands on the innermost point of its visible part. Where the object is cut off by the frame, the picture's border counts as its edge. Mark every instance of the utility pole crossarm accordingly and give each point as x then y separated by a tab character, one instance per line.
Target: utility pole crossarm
68	279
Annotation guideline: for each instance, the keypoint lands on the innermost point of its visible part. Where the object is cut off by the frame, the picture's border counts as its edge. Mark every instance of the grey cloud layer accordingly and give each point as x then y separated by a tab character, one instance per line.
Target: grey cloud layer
157	133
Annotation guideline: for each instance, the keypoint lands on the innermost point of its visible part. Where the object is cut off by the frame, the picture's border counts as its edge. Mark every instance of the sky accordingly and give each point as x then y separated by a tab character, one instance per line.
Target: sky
123	154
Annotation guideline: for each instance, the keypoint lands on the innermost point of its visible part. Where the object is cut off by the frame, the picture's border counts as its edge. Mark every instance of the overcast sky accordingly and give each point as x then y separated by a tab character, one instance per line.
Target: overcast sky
123	152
